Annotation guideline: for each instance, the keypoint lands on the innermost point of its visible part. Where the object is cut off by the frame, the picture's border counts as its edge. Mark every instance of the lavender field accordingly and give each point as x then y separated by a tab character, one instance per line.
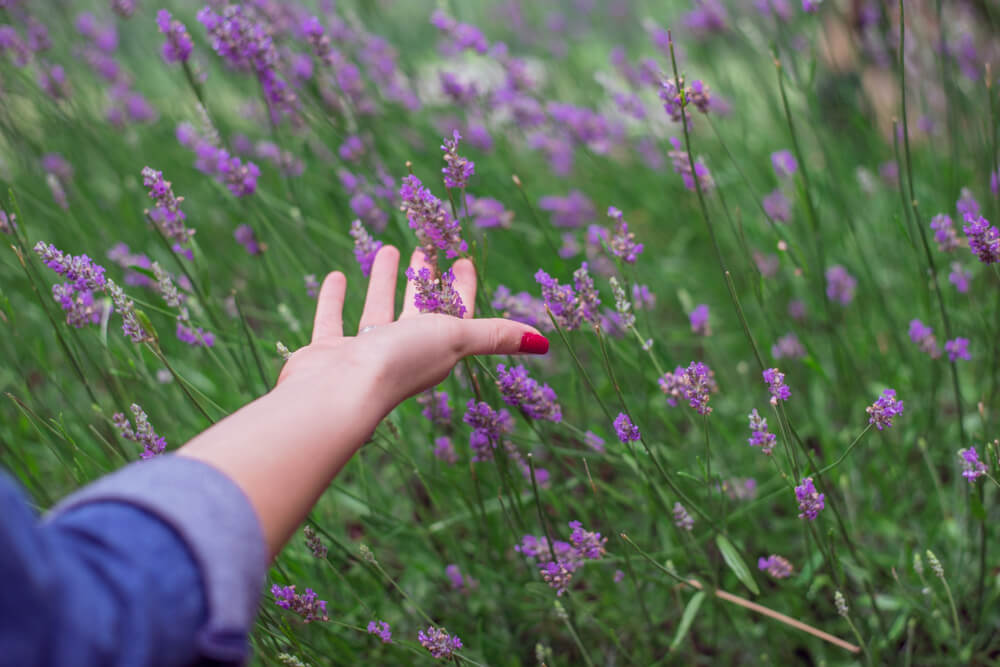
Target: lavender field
760	237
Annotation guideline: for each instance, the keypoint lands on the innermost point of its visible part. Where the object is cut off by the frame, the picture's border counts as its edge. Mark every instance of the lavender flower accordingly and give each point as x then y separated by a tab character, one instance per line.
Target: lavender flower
126	307
521	307
444	450
797	309
458	169
984	239
626	430
166	215
944	233
676	99
573	210
488	213
618	577
760	436
622	243
178	46
142	434
840	285
957	349
682	166
315	545
959	277
557	564
967	206
311	285
80	307
458	582
972	467
487	427
682	519
435	229
124	8
788	347
440	644
881	412
699	320
777	206
622	305
436	408
775	380
784	163
810	500
594	441
8	222
307	605
380	629
436	295
246	237
776	566
570	307
352	149
537	401
365	247
698	383
80	270
923	335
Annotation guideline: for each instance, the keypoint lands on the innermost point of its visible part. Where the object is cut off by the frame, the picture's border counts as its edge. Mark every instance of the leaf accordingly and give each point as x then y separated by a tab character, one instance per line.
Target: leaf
735	563
690	611
976	507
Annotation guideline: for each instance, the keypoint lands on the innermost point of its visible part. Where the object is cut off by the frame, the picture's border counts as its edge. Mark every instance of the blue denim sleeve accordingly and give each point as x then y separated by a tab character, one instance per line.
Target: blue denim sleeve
160	563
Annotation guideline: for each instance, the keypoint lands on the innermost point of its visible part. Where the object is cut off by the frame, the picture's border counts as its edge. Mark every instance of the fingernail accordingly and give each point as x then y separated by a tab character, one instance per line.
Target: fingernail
533	343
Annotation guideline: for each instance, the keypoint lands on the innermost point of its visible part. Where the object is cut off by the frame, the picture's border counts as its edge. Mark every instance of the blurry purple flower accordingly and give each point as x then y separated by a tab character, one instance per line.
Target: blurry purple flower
488	213
957	349
178	46
521	307
352	149
594	441
840	284
967	206
699	320
618	577
195	337
788	347
436	295
143	433
314	543
960	277
776	566
682	519
650	152
573	210
622	243
56	164
571	305
923	335
740	488
444	450
487	427
381	630
889	172
682	166
457	169
435	407
52	79
767	264
307	605
760	436
944	233
810	6
994	183
462	35
708	16
984	239
365	247
124	8
538	401
246	237
435	229
80	307
784	163
797	309
643	297
458	582
777	206
8	222
479	136
626	430
440	644
810	500
972	467
881	412
312	285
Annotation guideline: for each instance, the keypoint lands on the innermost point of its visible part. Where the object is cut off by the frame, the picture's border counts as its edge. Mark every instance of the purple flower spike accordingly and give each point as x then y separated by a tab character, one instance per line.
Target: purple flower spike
458	169
166	214
957	349
984	239
959	277
537	400
788	347
487	427
923	335
381	630
626	430
365	247
682	166
444	450
881	412
573	210
699	320
776	566
972	467
307	605
784	163
436	295
775	380
440	644
840	285
810	500
761	437
682	519
142	434
777	206
435	229
944	233
622	243
435	407
571	305
178	46
80	270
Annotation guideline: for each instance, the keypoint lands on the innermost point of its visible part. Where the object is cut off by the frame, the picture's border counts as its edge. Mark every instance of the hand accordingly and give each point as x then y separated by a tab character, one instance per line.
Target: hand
400	358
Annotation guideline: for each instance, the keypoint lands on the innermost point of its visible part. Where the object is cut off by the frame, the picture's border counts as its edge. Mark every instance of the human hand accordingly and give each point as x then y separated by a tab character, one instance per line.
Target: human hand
398	357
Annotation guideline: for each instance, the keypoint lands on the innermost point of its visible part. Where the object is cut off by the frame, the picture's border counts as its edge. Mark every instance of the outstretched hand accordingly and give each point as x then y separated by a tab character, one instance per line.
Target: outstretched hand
401	356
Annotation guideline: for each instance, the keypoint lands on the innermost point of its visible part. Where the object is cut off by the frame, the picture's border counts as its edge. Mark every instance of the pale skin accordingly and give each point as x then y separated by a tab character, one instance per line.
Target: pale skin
285	448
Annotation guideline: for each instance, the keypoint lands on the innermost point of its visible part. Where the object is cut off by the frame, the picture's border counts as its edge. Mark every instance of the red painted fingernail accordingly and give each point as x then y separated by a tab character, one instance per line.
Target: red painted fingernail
533	343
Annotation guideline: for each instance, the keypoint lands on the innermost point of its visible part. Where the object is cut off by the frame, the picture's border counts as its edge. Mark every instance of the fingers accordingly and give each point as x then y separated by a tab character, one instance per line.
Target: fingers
465	284
329	320
380	304
499	336
417	262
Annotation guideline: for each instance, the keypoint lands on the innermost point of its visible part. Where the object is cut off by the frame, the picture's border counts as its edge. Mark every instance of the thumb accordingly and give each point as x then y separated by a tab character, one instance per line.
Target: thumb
499	336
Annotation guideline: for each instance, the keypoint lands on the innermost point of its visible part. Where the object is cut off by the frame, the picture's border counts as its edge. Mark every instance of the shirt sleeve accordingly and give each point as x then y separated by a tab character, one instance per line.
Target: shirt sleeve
160	563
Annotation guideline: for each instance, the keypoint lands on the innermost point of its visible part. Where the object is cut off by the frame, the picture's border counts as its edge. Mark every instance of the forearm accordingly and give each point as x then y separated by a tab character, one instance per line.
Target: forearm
283	450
